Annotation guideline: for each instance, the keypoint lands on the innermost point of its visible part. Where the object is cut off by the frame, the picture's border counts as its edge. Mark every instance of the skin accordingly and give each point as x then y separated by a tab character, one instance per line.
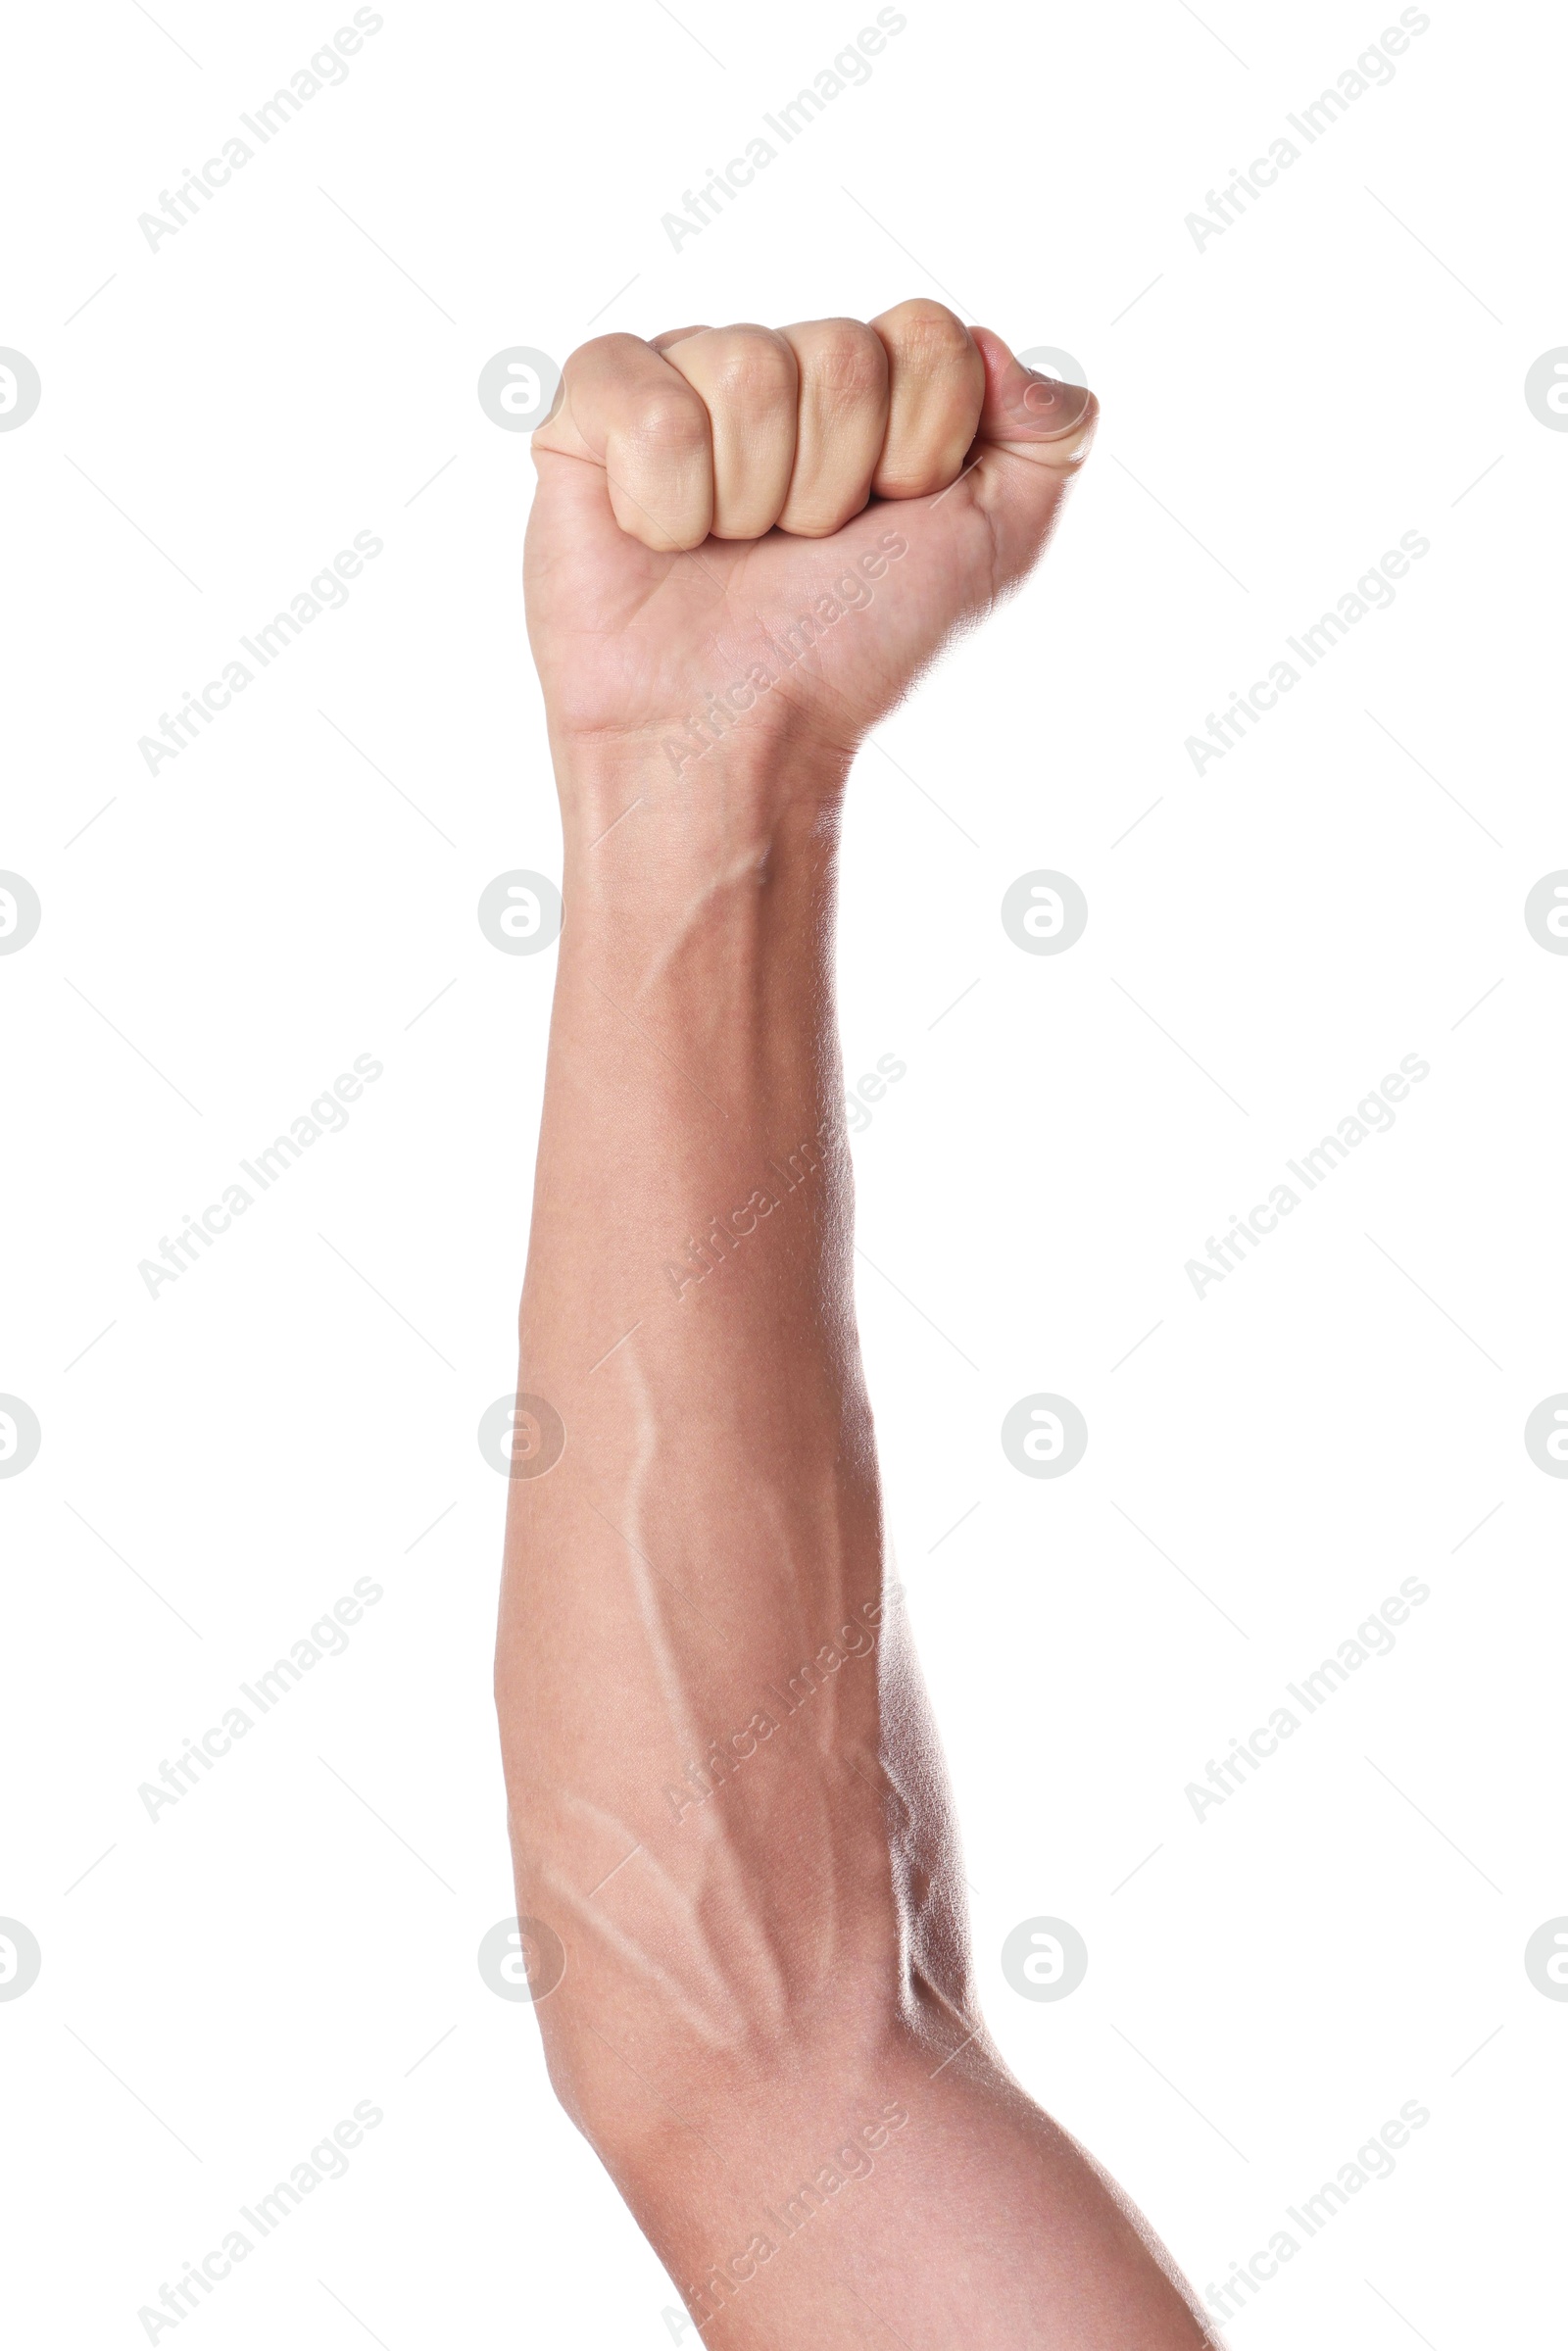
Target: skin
750	1873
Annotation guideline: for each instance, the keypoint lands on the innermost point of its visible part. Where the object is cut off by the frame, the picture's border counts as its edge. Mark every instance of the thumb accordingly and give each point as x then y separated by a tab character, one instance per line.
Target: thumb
1033	435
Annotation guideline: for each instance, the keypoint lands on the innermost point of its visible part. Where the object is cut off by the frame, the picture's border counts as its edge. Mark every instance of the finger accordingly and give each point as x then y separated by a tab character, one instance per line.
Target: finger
1034	435
674	334
745	379
937	383
841	423
626	410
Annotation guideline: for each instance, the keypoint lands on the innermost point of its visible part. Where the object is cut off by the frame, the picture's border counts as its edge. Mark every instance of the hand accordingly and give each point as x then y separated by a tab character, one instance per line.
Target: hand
760	539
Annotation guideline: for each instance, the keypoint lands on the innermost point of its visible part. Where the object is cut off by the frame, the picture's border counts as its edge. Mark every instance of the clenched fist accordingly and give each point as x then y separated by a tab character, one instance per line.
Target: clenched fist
757	538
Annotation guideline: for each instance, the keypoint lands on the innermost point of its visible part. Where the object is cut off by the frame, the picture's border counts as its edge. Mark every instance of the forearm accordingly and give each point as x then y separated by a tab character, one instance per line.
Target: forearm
726	1800
693	1051
709	1541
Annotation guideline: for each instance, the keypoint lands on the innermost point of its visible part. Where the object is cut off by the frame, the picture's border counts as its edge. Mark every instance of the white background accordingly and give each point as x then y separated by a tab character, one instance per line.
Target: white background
1339	368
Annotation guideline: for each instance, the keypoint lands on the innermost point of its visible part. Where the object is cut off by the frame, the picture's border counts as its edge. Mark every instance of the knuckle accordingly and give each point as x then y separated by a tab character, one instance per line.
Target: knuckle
931	338
749	365
606	353
670	426
846	359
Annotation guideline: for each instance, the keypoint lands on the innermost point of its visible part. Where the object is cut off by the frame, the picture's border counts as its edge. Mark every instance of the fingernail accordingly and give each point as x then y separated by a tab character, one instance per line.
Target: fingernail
1050	407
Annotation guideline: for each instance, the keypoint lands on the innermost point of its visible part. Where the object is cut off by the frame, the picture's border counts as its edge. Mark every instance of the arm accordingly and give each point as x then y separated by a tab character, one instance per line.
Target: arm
726	1798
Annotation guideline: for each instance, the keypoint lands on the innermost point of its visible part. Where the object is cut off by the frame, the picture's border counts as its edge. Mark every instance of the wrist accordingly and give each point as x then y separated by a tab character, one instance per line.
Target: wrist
679	793
704	884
